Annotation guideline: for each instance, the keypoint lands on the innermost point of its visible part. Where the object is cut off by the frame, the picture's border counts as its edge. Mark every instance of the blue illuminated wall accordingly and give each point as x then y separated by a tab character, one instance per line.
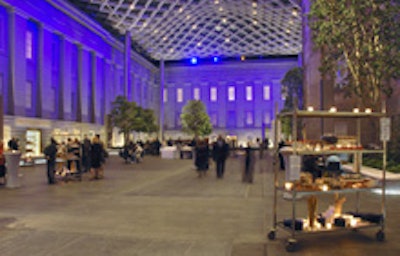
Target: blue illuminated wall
61	70
241	117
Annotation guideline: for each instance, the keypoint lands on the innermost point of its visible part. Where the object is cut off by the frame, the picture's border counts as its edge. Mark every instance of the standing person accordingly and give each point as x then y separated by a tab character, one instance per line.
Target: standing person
13	144
219	153
201	159
281	160
51	153
86	147
249	164
3	169
96	158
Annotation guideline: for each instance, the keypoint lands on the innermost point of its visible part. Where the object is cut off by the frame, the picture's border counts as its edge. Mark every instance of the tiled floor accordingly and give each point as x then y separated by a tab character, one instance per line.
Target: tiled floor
160	207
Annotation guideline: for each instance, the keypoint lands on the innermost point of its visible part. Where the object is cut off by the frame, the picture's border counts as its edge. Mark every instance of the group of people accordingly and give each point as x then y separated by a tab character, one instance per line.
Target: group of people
132	152
219	153
87	154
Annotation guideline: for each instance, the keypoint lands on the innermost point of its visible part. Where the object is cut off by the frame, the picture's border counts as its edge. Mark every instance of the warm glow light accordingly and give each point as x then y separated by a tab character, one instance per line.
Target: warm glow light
353	222
310	108
328	225
368	110
288	185
325	187
242	58
356	110
333	109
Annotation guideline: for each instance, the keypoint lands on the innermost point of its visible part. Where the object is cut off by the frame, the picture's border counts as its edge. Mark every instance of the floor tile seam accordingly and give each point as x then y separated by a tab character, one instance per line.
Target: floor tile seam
154	237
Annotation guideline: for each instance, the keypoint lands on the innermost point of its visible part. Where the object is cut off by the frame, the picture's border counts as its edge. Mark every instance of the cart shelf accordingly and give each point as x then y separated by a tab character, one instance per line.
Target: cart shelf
297	186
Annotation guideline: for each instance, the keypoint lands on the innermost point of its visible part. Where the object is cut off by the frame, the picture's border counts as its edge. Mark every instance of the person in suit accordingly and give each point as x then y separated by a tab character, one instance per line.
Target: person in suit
219	153
51	153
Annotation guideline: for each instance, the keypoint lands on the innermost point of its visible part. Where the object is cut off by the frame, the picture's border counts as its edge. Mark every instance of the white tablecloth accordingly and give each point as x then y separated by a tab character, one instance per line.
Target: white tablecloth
169	152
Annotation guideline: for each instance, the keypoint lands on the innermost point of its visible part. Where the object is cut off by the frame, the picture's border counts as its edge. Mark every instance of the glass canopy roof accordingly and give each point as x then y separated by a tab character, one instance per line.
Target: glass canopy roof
181	29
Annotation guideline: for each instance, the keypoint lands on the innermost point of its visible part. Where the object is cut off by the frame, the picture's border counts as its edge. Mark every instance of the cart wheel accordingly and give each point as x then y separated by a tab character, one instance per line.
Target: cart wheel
291	245
272	235
380	236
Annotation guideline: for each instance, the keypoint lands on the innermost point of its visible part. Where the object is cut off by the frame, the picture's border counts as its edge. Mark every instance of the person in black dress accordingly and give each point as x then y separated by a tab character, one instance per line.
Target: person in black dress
96	158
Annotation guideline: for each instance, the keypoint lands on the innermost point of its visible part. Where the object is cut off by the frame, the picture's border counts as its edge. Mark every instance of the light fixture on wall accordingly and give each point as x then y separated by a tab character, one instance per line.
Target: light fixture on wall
333	109
368	110
310	108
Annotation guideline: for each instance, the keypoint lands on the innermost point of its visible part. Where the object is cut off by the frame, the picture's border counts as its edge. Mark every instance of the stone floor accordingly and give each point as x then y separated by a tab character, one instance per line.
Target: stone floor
160	207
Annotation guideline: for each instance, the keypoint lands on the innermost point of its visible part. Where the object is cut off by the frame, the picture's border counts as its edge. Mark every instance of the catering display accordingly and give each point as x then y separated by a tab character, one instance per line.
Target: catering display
313	169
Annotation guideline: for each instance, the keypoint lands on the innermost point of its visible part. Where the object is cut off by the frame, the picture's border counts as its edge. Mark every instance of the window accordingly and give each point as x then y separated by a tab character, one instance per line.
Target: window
231	93
249	118
213	94
1	84
2	34
249	93
179	95
178	119
196	93
28	94
267	118
214	119
165	95
28	45
231	119
266	92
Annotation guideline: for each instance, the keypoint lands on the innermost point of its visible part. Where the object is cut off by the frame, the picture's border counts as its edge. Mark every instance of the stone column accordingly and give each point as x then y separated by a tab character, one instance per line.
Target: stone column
127	65
162	70
61	73
39	70
11	62
79	86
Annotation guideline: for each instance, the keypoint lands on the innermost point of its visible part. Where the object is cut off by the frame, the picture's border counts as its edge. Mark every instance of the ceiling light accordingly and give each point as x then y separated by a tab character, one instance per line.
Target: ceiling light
199	44
221	9
165	38
132	6
227	39
188	17
218	28
194	26
216	2
254	12
224	20
254	4
180	10
193	60
294	13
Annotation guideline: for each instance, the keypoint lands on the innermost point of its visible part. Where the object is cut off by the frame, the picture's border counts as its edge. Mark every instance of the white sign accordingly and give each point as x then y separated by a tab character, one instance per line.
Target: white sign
293	170
385	128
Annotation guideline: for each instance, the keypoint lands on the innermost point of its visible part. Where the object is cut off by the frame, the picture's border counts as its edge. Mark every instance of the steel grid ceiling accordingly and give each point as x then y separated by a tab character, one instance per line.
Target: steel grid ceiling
181	29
